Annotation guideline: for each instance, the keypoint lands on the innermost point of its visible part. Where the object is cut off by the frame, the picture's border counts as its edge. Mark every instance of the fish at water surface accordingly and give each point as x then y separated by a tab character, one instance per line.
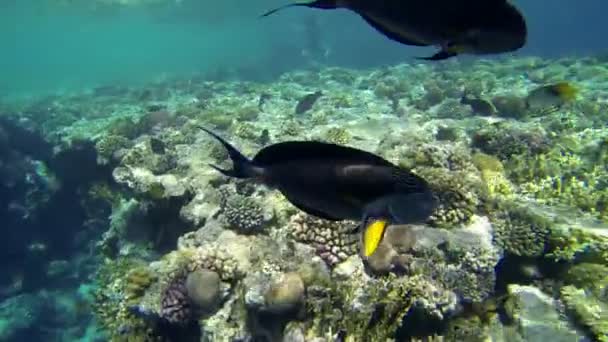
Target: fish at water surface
337	182
456	26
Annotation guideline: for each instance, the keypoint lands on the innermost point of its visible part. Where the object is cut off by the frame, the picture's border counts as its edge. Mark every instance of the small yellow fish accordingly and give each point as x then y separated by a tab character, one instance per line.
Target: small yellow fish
551	97
372	236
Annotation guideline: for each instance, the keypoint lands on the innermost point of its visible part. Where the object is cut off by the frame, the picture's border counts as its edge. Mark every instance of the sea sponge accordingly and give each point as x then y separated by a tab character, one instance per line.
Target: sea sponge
285	294
203	289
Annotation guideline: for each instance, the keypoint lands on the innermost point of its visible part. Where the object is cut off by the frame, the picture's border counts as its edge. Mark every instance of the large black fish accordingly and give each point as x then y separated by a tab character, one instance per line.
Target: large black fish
337	183
456	26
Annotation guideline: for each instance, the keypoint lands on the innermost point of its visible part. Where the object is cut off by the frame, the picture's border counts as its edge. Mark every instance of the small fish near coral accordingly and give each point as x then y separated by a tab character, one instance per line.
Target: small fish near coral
456	26
336	182
307	101
551	97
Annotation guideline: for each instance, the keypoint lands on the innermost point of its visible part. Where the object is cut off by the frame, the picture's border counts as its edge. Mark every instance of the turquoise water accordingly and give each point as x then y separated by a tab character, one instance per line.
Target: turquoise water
49	47
116	228
66	45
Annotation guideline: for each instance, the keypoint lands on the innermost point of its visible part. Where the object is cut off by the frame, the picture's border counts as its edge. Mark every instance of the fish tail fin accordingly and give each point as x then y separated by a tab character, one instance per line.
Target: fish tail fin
565	90
322	4
241	165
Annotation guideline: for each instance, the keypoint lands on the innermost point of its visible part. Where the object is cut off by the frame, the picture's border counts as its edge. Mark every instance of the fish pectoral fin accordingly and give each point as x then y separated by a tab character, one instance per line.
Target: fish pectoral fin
322	4
373	233
355	229
441	55
380	27
311	211
412	208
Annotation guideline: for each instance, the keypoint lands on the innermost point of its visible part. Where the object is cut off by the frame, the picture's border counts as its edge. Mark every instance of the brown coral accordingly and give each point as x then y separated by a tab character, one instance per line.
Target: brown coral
333	241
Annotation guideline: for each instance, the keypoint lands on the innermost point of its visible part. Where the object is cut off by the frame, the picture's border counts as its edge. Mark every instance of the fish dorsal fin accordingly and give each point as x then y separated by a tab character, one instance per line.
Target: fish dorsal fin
316	150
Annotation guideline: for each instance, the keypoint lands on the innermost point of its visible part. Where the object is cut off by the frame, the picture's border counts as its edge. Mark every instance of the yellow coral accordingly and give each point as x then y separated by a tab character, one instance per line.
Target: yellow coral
487	162
496	183
137	281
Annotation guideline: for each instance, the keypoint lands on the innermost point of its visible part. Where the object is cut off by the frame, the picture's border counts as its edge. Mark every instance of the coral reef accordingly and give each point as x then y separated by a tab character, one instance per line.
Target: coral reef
183	250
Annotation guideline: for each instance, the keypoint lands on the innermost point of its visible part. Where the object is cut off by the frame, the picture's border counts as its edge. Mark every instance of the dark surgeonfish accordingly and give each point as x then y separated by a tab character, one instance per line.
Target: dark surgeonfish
456	26
337	183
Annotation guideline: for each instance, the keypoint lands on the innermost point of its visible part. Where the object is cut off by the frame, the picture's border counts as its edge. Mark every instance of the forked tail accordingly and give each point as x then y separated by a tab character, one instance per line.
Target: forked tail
241	165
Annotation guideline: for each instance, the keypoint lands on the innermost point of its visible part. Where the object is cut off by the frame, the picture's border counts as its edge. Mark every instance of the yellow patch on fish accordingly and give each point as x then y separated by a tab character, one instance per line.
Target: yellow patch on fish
372	236
565	90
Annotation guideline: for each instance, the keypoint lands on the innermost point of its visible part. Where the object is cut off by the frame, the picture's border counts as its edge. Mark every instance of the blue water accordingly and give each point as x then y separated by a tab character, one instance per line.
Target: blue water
49	47
58	195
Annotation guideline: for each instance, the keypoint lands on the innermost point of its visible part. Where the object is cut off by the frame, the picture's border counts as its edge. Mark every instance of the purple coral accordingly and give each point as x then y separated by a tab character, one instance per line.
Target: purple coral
175	304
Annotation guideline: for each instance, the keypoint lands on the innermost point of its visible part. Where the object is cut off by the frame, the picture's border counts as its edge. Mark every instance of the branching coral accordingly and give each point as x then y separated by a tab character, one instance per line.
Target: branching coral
587	310
459	195
563	177
521	232
138	280
576	244
107	145
112	297
373	309
506	141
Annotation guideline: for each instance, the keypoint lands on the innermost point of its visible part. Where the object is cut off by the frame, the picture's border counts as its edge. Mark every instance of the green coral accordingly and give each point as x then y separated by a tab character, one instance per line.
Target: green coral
520	232
290	128
562	176
365	312
578	244
245	130
112	301
588	275
470	329
125	127
492	174
506	141
587	310
247	113
138	280
102	191
337	135
217	118
156	191
108	144
459	194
